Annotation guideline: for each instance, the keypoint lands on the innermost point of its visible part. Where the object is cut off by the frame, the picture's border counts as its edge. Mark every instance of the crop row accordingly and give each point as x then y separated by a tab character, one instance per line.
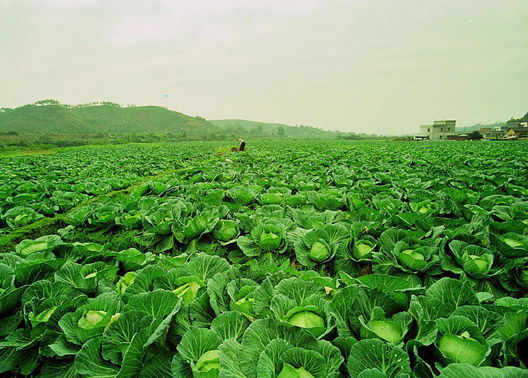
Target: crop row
33	187
74	308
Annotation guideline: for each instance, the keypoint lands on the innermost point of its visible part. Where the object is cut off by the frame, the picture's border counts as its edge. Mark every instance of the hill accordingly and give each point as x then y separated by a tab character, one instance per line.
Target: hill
478	126
49	116
265	129
524	118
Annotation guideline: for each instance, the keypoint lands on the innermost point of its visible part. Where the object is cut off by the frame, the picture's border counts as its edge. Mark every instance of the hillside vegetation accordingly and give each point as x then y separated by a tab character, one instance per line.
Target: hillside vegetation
479	126
52	117
49	117
276	129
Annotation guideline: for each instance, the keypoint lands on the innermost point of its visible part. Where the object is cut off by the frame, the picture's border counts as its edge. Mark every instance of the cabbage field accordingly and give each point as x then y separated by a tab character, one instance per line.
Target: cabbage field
291	260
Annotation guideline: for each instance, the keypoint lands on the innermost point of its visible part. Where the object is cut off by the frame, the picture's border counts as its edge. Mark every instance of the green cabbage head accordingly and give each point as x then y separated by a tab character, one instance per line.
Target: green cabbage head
320	245
306	319
187	292
363	248
269	239
289	371
226	230
208	361
476	261
309	317
268	236
413	256
320	251
387	330
96	318
462	348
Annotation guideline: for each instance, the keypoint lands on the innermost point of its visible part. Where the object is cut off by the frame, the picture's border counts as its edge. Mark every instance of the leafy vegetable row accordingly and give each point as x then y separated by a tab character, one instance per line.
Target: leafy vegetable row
74	308
36	186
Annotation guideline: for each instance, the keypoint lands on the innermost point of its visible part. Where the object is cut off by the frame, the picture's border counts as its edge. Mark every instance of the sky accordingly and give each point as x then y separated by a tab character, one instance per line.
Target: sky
371	66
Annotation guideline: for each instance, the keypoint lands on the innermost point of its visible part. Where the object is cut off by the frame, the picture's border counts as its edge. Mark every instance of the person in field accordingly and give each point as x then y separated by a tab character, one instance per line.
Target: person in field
242	144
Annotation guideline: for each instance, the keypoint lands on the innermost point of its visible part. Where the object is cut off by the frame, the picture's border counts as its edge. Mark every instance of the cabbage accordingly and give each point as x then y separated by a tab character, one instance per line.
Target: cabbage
319	251
362	250
423	210
267	236
269	241
226	230
414	255
43	317
208	361
42	244
244	305
307	319
411	259
289	371
91	319
462	349
524	276
320	245
482	264
387	330
512	242
475	260
187	292
125	281
112	319
21	216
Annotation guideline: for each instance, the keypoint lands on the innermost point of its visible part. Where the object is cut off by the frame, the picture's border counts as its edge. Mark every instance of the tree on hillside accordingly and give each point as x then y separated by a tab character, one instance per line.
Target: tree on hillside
109	103
522	119
280	131
47	102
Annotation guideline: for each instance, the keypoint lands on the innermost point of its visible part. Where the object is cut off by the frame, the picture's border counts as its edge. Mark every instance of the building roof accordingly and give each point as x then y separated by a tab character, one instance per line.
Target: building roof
444	122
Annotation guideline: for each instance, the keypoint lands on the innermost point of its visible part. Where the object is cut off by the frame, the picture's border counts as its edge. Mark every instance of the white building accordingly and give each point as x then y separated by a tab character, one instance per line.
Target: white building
439	130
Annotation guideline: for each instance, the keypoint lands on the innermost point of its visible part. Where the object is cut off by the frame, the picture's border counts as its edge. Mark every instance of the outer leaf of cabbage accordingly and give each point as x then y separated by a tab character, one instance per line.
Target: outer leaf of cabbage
460	340
375	354
42	244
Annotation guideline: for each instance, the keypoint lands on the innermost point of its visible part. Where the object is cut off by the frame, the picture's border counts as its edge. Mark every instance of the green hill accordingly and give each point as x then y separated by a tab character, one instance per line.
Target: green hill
264	129
478	126
51	117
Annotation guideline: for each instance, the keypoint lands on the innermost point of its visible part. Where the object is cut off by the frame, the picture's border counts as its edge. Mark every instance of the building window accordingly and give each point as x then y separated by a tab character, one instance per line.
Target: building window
440	136
448	129
428	130
442	129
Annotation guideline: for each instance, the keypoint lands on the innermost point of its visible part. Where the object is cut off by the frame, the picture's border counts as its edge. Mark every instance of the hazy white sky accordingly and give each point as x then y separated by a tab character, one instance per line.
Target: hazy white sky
375	66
